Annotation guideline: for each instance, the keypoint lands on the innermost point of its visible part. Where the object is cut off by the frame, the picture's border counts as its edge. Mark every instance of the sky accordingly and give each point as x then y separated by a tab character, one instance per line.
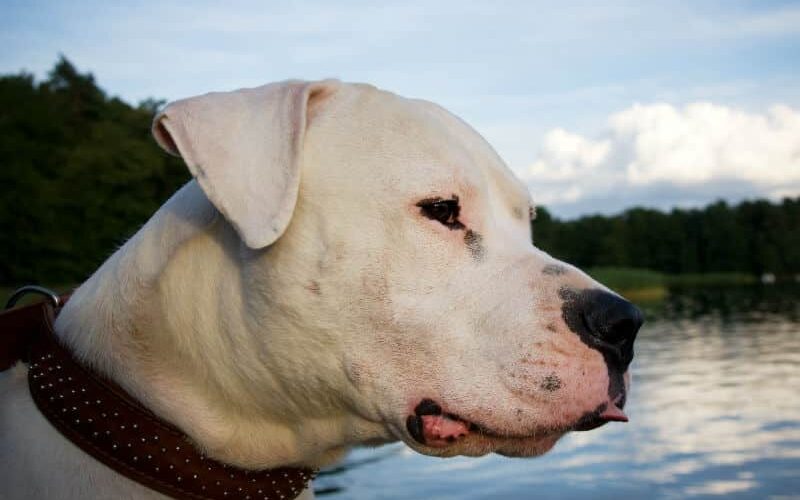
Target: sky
597	106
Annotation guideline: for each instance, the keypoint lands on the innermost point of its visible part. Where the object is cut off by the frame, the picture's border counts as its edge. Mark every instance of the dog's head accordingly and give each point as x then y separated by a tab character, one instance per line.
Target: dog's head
384	240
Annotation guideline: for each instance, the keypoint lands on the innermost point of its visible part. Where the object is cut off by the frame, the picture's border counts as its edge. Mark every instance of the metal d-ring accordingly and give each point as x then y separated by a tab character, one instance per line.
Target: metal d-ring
40	290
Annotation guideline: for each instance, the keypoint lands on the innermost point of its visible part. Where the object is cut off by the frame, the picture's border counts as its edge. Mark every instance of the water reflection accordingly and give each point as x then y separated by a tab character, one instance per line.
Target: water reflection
714	413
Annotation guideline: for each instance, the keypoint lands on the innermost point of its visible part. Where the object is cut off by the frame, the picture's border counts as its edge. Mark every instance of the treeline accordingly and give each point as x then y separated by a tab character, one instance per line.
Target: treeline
79	173
754	237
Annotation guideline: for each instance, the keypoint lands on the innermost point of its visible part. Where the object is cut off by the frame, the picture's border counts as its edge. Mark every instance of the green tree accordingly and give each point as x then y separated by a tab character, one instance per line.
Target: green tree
79	173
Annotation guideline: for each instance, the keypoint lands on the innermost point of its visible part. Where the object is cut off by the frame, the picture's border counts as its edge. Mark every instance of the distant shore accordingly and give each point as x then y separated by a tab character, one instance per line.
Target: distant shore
646	284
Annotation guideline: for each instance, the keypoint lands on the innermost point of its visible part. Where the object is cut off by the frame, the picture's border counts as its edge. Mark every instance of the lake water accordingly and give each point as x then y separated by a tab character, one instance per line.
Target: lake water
714	410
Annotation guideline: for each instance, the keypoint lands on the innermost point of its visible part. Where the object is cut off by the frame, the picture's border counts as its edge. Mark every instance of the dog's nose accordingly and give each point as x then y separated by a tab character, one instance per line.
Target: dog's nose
604	321
614	321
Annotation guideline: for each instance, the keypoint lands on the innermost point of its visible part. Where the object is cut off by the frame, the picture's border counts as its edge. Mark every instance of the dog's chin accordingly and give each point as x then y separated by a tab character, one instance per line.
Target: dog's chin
478	445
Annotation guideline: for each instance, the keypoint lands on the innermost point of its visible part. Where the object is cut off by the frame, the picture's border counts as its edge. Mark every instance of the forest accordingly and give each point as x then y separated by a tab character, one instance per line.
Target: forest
754	237
79	173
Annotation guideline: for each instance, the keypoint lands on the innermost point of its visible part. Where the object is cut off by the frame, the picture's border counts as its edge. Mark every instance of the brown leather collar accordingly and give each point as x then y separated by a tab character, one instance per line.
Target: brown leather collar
105	422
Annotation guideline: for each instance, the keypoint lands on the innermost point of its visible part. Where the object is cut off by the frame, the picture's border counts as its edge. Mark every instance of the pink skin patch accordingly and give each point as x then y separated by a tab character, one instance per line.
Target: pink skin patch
440	431
613	414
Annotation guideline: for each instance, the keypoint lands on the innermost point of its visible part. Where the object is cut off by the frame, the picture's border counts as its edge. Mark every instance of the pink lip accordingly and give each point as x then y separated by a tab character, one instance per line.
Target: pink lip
613	414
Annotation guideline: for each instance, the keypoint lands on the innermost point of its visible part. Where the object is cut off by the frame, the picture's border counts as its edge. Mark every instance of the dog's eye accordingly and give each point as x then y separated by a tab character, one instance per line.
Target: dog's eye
443	211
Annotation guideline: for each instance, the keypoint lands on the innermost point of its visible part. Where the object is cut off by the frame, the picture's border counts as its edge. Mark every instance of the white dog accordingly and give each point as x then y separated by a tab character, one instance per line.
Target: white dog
347	267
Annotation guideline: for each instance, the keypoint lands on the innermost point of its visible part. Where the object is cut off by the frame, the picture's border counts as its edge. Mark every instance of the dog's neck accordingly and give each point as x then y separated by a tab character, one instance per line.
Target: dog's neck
172	317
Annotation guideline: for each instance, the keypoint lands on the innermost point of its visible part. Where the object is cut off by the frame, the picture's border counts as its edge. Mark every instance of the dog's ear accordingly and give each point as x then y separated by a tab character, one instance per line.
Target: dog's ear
245	149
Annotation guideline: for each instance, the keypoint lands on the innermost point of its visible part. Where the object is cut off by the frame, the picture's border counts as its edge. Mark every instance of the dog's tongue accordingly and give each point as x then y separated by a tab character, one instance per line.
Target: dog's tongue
440	430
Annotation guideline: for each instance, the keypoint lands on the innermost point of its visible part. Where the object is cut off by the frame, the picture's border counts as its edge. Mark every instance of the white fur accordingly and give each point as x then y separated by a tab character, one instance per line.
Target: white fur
292	301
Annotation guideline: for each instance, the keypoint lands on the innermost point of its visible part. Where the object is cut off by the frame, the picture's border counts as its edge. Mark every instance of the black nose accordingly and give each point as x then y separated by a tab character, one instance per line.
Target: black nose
603	320
613	319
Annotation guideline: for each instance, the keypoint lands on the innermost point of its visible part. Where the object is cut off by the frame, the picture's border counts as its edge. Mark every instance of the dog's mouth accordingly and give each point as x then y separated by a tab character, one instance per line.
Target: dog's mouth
431	426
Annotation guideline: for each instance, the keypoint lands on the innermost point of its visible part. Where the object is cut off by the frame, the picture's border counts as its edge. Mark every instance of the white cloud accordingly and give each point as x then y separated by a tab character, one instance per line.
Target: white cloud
566	157
571	154
703	149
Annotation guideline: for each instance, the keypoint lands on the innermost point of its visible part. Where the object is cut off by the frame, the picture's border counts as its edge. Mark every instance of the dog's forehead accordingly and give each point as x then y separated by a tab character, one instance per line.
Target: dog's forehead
497	173
436	150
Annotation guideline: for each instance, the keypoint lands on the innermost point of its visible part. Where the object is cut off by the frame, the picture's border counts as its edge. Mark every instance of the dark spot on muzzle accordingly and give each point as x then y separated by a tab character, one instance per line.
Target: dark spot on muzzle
607	323
553	270
474	242
551	383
